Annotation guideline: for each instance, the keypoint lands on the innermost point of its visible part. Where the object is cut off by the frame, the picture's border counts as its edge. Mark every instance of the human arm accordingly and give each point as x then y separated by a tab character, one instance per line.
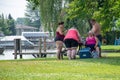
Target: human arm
96	45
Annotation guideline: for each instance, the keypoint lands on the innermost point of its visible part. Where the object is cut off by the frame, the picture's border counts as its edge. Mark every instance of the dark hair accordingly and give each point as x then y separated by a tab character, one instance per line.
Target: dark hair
93	20
60	23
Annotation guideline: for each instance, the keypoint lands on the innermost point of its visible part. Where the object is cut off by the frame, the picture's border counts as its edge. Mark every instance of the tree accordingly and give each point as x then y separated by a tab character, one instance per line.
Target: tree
50	11
104	11
3	25
117	24
11	25
79	12
7	26
23	21
32	15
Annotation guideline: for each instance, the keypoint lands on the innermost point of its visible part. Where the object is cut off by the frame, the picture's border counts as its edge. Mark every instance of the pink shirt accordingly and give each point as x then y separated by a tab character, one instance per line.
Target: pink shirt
72	34
90	40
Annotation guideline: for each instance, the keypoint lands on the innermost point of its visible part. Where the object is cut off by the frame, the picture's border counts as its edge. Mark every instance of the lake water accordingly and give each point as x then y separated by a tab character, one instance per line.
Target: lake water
8	55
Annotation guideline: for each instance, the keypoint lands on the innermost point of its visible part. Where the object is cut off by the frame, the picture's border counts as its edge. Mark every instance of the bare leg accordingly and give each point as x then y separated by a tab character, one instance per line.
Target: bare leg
73	53
61	54
59	45
97	49
100	52
58	54
69	54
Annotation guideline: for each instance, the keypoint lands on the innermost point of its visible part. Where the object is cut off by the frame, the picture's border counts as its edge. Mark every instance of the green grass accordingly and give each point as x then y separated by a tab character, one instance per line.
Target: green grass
106	68
110	47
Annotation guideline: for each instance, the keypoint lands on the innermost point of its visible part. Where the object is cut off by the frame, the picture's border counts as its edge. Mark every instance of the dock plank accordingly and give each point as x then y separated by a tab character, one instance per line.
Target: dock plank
29	53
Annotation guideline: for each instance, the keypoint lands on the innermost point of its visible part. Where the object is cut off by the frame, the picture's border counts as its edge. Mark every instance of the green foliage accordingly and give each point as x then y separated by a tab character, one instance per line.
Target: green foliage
109	13
110	36
78	12
104	11
7	25
11	25
23	21
118	24
32	15
50	12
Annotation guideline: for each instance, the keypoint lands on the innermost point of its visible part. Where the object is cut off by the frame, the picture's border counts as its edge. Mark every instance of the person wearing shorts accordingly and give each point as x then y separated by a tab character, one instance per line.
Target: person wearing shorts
96	28
59	39
72	40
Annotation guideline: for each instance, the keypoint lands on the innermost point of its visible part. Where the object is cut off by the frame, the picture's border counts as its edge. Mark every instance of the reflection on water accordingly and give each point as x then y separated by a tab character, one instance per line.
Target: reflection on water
8	55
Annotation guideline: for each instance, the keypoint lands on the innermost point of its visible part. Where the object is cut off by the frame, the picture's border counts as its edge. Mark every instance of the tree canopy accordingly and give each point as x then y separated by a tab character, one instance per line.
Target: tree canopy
50	11
7	26
78	12
32	15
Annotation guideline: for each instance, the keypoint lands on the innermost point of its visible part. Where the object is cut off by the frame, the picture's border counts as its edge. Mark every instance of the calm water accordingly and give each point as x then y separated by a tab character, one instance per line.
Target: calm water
8	55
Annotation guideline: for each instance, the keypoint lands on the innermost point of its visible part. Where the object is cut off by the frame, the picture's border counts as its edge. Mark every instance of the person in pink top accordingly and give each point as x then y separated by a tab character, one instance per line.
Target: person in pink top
72	40
92	41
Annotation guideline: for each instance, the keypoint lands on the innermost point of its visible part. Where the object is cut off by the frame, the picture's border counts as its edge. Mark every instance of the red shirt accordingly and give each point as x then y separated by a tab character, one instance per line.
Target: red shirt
61	36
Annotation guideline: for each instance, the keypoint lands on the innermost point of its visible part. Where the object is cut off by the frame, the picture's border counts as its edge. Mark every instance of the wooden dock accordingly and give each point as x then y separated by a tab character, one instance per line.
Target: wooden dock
40	53
36	54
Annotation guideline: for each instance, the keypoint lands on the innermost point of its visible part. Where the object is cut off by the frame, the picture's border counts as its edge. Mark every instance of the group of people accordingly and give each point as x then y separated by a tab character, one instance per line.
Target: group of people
71	38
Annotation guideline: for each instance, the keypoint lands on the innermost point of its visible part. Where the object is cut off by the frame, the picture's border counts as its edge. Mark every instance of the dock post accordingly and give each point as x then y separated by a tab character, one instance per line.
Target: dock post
20	49
17	48
40	46
44	55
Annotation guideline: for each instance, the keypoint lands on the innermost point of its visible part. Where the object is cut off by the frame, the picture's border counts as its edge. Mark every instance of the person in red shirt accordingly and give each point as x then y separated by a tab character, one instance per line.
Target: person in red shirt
72	40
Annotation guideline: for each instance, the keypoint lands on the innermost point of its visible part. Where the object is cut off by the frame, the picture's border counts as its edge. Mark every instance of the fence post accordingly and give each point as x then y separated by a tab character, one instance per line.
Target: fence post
17	48
44	44
40	46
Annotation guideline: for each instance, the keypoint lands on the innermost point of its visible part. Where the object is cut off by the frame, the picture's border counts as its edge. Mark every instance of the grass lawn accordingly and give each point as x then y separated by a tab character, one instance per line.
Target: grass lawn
110	47
106	68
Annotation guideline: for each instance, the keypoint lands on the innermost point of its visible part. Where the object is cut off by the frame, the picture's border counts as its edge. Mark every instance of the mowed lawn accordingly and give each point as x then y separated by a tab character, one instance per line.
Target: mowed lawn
106	68
111	47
